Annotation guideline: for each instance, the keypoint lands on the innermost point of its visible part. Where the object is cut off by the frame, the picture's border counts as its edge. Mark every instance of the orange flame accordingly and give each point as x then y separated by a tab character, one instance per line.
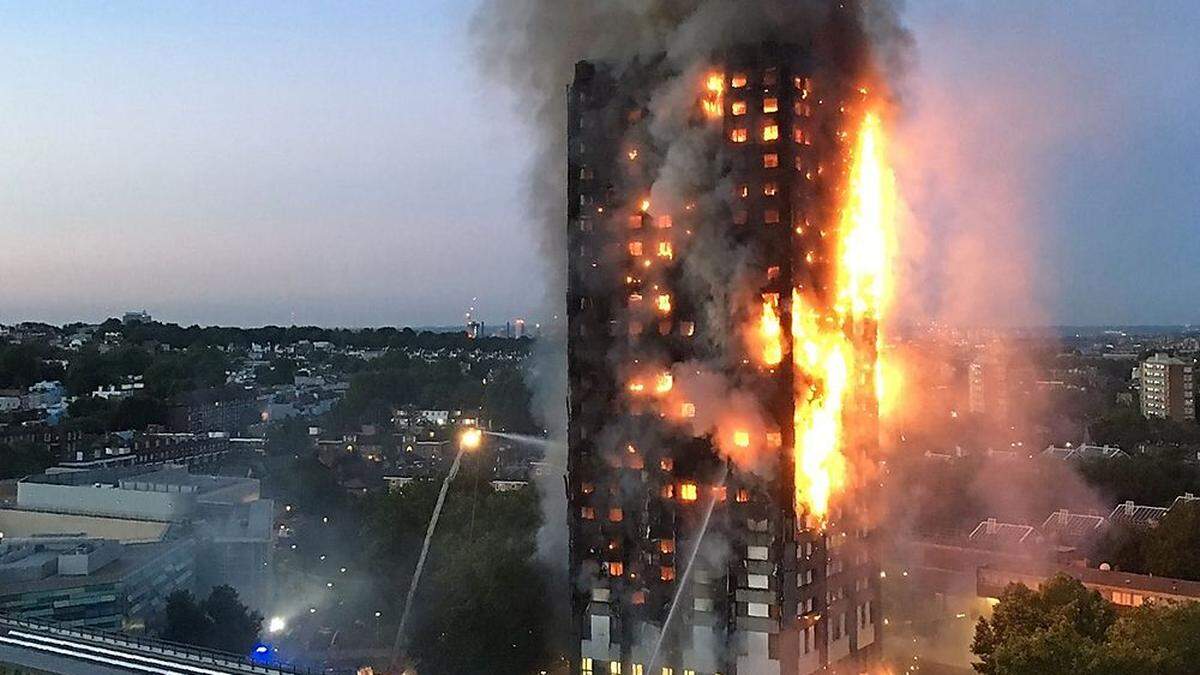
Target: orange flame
714	95
770	330
833	350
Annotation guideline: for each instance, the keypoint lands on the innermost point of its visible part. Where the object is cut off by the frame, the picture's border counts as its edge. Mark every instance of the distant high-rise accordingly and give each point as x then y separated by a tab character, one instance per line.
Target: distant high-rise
775	590
1168	387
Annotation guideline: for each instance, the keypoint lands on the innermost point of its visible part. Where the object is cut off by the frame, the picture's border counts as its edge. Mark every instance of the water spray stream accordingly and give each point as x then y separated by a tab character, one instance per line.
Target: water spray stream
687	570
543	443
433	521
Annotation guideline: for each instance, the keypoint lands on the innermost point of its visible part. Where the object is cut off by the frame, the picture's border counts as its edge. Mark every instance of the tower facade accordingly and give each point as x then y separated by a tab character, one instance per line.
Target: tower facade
700	247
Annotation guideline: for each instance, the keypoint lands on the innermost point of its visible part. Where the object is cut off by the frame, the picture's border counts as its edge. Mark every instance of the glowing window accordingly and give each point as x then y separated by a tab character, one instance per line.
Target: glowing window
770	132
770	160
666	464
737	81
585	666
773	272
663	303
799	136
743	191
688	492
664	222
587	488
739	107
637	667
616	515
635	221
668	492
743	496
770	188
664	250
588	513
770	104
667	546
667	671
739	135
666	573
802	109
771	216
614	668
635	248
688	410
774	439
639	598
741	439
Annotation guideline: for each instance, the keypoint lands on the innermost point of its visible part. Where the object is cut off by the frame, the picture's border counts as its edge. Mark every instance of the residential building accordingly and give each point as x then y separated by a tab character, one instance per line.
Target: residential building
793	594
1168	387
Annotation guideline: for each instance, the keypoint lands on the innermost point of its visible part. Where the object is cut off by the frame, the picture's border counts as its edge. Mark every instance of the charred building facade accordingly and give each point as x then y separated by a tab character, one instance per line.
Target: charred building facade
690	551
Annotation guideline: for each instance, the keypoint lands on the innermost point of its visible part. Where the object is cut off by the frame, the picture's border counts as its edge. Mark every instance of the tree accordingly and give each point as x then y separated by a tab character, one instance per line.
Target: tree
234	627
1058	629
185	620
288	437
1159	639
24	459
1173	548
220	622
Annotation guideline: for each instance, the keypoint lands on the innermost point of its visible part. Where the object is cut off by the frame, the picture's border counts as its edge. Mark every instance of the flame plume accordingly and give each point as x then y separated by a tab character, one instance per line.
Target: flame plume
835	351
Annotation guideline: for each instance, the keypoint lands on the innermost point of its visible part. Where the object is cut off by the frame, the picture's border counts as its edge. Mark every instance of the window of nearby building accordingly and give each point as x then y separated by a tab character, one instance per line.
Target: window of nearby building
739	107
585	666
737	81
739	135
770	104
770	132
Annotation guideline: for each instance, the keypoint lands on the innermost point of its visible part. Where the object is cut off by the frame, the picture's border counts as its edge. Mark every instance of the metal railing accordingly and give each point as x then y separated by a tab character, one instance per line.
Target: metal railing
187	653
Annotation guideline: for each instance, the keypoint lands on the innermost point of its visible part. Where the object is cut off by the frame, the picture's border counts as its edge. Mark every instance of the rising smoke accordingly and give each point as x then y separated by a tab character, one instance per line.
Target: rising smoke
532	47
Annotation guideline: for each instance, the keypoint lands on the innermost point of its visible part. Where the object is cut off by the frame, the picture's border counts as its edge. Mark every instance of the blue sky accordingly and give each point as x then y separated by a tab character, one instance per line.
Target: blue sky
343	163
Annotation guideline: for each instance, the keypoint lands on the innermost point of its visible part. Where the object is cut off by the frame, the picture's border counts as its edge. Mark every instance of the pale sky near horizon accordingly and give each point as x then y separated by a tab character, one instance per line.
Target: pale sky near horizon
344	164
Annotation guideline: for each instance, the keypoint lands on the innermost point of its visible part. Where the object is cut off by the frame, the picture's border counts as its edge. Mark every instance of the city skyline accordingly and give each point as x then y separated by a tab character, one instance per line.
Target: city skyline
318	164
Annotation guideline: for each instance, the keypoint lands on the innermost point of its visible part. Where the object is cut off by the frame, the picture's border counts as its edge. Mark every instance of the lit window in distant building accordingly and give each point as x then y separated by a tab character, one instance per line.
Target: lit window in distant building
770	132
770	160
667	573
635	248
616	569
739	135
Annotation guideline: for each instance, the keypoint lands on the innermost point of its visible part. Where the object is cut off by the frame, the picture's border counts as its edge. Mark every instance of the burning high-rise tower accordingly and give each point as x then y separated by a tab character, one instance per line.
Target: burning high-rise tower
728	248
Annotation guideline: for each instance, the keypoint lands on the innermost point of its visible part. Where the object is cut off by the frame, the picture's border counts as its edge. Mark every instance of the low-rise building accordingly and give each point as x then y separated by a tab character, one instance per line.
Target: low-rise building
98	583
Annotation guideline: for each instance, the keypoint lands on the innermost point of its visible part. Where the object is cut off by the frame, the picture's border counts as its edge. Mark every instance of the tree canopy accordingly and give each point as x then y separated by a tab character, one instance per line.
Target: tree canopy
219	622
1065	629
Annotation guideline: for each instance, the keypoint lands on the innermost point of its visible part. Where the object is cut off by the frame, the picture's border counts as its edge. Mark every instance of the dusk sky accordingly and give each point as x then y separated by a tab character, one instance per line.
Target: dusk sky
343	163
